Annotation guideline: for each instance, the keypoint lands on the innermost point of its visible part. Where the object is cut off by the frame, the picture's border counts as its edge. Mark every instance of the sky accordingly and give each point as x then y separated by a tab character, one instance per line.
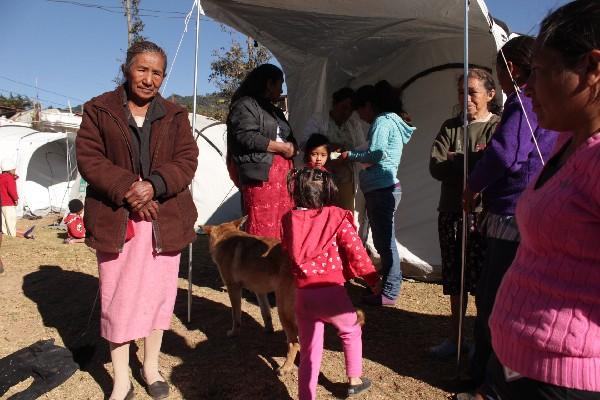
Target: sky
72	52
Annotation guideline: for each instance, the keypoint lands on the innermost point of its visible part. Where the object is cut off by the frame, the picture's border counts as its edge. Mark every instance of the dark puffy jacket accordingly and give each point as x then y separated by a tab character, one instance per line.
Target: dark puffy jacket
105	158
251	124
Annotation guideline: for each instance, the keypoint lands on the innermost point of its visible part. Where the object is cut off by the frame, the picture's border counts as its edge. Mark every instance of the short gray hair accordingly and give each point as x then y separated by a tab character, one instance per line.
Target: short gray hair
143	46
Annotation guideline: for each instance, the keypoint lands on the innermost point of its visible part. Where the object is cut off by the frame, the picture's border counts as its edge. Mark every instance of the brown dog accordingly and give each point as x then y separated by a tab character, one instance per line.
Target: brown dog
260	265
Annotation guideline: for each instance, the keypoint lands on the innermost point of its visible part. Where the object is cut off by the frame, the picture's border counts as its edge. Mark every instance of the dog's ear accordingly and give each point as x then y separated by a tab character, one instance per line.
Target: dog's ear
239	222
206	228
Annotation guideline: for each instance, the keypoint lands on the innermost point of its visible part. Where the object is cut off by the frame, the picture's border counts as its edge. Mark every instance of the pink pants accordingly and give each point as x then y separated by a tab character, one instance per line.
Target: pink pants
314	308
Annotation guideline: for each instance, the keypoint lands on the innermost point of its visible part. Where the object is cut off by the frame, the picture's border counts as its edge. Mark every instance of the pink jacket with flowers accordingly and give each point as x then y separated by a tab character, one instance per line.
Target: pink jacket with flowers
324	248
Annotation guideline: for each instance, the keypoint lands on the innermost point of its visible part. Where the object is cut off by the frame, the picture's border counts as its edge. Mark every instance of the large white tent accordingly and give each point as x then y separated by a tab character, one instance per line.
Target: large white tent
417	45
46	167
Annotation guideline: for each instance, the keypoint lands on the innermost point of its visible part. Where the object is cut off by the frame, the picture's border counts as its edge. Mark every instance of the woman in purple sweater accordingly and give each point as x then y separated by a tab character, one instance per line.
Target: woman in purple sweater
511	160
545	323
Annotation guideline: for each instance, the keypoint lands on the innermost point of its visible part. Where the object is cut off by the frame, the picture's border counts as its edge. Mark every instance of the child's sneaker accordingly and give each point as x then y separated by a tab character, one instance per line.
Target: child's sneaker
354	390
379	300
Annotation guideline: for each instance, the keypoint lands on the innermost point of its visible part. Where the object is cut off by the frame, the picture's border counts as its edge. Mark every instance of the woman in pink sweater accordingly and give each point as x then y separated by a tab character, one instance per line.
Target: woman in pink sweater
545	324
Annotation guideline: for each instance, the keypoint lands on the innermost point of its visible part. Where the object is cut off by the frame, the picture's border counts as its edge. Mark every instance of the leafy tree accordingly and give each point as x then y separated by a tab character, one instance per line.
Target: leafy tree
211	105
17	102
232	65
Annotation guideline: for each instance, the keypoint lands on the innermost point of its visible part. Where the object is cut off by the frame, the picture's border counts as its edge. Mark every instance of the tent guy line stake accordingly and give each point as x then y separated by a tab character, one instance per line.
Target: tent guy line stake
466	149
190	247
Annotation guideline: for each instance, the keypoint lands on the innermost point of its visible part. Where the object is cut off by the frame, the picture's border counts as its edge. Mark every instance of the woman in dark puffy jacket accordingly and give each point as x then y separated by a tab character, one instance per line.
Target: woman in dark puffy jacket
260	149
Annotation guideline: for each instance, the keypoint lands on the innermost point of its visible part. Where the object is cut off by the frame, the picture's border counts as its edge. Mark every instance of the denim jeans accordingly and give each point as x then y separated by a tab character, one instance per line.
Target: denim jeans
381	207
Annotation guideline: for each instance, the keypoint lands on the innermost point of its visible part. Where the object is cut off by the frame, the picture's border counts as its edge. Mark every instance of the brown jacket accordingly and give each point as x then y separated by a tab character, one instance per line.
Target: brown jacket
105	158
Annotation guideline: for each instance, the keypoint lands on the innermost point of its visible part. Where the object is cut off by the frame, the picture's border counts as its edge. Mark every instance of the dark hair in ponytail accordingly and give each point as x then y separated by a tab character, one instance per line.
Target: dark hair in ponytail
311	187
382	96
255	83
519	51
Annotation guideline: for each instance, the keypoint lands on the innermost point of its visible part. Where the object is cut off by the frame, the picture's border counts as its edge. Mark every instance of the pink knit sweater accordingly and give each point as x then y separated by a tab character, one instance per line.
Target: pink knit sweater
546	319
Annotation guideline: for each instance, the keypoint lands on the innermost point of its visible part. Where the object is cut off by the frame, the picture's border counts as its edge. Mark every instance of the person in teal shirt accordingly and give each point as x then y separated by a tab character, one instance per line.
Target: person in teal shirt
381	107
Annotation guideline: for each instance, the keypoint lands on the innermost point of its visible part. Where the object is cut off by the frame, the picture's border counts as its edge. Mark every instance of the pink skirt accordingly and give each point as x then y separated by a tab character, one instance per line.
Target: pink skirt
137	288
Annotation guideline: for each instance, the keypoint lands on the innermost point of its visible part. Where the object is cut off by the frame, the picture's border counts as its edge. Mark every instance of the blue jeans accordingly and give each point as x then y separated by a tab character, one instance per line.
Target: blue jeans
381	207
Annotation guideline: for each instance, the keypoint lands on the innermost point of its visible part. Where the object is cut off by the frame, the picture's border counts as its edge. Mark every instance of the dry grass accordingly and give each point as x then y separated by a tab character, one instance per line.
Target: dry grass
48	290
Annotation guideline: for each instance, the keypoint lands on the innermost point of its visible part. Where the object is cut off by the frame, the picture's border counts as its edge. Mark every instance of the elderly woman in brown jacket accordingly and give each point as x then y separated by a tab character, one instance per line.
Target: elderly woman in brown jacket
138	155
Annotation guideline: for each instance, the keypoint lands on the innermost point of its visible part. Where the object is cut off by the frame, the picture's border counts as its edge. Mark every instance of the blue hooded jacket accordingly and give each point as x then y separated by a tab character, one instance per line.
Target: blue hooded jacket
387	136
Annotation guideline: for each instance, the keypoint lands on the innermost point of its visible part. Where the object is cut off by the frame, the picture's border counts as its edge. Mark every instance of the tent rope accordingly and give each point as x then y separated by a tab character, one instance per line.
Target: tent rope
188	17
517	92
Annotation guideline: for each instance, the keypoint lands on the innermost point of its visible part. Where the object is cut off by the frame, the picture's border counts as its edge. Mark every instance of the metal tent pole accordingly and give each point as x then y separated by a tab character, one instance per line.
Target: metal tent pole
466	148
190	246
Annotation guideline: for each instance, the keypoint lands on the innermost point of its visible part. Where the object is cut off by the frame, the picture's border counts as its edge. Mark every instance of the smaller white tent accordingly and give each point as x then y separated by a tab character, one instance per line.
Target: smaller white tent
46	167
217	199
50	119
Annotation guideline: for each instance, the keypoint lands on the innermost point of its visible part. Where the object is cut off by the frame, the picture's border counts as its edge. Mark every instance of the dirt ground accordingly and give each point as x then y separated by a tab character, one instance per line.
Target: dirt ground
48	290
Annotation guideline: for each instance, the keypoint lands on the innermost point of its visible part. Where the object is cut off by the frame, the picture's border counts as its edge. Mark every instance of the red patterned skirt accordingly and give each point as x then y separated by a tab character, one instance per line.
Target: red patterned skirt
265	203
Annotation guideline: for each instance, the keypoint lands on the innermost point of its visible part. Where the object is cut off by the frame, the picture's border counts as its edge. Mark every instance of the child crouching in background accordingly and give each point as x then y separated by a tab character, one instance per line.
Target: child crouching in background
74	223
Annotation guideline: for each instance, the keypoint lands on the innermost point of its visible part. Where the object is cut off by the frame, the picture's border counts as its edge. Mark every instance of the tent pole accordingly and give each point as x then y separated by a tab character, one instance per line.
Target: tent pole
190	247
466	148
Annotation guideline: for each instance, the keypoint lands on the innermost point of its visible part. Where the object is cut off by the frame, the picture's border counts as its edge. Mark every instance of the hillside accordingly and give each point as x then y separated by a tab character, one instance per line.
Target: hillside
212	105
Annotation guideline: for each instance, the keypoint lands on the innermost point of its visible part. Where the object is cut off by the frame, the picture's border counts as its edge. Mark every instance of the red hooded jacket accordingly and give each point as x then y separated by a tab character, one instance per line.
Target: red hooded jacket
324	248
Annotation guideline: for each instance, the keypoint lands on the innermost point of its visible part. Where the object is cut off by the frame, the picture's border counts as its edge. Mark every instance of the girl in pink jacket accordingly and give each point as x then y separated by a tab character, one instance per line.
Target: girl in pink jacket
325	251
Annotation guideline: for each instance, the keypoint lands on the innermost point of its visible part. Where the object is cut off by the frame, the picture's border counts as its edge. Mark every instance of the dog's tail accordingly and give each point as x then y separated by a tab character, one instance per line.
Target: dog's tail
360	317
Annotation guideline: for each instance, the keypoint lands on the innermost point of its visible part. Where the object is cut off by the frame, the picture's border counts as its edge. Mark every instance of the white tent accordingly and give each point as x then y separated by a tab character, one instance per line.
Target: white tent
216	197
417	45
46	167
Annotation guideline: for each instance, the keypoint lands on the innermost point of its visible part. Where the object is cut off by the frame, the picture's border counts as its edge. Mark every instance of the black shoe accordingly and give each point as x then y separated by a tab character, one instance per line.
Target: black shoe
130	394
157	390
354	390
